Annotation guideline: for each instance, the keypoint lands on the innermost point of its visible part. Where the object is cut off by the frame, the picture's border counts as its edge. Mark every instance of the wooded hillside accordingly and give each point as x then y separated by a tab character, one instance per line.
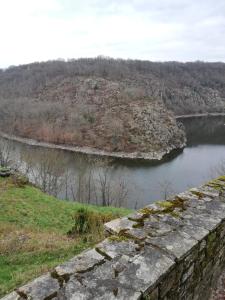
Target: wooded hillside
114	105
184	87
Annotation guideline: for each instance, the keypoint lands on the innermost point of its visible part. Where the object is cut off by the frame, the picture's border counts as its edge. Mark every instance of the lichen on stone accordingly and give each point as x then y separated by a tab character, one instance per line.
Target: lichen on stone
199	194
217	184
222	178
165	204
171	207
118	238
147	212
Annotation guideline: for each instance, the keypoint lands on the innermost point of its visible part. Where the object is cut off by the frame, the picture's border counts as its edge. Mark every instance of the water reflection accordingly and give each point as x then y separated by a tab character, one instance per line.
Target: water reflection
205	130
123	182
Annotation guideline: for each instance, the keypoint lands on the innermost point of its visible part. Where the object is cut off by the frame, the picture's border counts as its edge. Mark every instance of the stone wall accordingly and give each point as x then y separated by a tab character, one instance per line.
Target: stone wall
168	250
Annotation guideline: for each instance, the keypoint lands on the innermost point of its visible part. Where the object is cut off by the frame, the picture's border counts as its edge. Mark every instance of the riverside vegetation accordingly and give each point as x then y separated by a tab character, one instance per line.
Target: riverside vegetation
38	231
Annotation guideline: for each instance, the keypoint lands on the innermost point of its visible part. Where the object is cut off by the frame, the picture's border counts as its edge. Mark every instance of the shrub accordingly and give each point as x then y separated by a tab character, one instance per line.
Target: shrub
89	222
5	172
19	180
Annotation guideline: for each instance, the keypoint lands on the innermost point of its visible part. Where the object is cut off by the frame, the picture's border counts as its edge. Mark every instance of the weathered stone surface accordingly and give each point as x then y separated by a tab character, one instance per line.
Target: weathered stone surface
214	193
197	233
102	283
187	226
42	288
205	191
153	207
212	207
136	216
157	228
216	208
107	290
121	278
137	234
187	196
146	269
206	221
176	243
12	296
119	225
169	221
113	248
80	263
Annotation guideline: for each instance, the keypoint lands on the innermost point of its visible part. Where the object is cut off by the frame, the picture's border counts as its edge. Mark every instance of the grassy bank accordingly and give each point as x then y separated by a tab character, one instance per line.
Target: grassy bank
33	232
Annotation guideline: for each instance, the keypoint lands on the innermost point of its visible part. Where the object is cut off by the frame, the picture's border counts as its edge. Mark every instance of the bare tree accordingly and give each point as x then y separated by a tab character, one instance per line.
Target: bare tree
93	180
166	189
95	183
218	170
45	167
5	153
111	191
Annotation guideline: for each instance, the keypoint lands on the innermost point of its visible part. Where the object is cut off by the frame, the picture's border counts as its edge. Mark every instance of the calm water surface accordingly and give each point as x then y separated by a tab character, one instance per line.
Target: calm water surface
145	181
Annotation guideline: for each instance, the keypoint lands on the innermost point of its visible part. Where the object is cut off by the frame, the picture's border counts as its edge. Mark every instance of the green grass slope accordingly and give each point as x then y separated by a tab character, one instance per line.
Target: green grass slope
33	232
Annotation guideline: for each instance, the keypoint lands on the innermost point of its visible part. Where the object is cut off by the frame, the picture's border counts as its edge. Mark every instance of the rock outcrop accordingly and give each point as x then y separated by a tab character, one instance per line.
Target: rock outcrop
98	114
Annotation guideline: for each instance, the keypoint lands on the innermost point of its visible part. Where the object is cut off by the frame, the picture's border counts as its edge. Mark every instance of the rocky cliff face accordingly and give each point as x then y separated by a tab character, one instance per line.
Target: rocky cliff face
94	112
123	118
157	127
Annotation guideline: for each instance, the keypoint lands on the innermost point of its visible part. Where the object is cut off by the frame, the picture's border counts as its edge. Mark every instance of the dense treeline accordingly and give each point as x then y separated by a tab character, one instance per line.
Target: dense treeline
110	104
184	87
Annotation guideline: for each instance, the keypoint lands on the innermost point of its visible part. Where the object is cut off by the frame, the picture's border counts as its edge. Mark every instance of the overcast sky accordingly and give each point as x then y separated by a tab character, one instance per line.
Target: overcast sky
158	30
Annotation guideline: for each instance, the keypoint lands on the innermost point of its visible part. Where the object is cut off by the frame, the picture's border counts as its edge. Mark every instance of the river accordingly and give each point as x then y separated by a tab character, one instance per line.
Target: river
132	184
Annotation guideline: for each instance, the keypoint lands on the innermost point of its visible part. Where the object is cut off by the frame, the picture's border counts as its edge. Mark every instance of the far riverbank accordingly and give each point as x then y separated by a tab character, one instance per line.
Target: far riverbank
92	151
200	115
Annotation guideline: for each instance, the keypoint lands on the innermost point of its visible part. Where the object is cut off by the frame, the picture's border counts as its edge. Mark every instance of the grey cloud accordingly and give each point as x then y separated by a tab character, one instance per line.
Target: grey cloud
184	30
